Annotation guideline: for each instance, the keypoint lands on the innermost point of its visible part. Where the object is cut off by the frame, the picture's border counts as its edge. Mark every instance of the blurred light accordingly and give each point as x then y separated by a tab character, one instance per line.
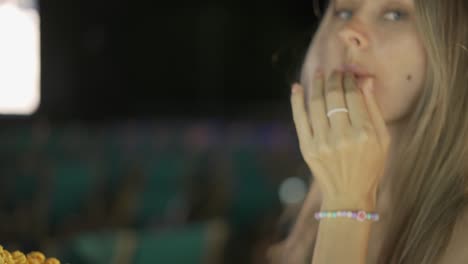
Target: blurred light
19	59
293	190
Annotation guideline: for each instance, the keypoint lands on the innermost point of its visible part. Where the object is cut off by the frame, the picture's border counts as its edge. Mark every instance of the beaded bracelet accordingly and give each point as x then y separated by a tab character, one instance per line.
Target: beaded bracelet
360	215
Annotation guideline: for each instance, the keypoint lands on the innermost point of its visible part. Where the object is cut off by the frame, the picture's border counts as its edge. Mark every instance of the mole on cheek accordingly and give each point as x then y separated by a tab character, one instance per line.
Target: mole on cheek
409	77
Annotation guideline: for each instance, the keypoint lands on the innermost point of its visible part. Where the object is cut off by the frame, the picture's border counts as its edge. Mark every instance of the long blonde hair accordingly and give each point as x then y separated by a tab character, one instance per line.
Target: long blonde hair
429	192
429	189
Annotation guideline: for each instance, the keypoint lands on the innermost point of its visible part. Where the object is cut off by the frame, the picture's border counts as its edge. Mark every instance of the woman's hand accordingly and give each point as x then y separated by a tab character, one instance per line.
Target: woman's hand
346	151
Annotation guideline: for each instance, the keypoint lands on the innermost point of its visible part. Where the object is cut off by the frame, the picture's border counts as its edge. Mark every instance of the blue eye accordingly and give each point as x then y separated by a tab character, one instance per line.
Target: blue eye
394	15
338	13
398	15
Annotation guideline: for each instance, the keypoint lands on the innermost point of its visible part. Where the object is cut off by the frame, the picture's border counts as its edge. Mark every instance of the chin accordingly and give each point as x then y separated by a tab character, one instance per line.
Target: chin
396	120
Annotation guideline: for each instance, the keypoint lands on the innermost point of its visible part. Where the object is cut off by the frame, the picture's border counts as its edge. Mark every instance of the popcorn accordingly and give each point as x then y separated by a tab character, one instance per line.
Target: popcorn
52	261
18	257
36	257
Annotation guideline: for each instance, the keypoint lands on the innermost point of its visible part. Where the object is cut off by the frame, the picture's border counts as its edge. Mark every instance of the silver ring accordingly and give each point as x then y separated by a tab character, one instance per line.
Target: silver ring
337	110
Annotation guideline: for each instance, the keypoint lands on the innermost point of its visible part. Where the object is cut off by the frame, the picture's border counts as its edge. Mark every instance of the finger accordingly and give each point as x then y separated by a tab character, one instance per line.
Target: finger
335	99
301	122
317	108
356	103
376	115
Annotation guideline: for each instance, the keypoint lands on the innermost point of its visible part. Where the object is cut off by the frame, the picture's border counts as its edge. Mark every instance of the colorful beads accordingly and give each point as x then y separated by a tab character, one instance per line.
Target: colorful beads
360	215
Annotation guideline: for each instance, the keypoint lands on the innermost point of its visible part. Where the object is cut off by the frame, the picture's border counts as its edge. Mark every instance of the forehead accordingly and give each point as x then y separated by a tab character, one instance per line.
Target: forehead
375	1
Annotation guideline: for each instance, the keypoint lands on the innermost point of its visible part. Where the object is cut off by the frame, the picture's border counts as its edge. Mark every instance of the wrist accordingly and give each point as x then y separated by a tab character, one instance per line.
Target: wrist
348	203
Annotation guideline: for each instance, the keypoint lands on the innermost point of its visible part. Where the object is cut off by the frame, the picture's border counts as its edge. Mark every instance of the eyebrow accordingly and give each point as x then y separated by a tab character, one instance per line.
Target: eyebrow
391	1
408	3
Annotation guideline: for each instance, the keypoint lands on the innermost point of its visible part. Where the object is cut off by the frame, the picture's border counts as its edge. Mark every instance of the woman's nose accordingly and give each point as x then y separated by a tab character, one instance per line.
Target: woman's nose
353	38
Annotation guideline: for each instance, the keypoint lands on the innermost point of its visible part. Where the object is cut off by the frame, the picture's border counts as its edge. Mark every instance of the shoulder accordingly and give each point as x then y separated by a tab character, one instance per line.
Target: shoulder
456	251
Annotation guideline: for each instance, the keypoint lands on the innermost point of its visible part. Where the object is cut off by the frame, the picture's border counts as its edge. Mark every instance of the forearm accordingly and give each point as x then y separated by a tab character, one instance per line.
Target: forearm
298	247
304	230
343	240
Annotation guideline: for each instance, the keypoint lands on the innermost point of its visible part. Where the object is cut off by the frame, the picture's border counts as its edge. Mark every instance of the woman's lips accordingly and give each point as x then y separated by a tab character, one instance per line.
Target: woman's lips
355	69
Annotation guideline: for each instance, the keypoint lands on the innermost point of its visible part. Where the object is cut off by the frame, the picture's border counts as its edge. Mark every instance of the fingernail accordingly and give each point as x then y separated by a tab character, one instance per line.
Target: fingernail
319	72
369	87
295	88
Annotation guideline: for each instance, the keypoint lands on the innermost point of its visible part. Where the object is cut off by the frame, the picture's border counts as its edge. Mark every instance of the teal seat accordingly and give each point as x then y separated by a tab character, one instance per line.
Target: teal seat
91	248
161	182
182	246
254	194
195	244
71	186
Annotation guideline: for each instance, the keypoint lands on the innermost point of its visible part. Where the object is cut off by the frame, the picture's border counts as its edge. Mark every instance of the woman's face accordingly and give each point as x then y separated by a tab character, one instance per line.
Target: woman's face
381	37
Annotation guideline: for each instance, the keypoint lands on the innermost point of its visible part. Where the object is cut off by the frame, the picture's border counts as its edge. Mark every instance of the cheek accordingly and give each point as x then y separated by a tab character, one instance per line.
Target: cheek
401	84
400	93
317	56
416	65
415	74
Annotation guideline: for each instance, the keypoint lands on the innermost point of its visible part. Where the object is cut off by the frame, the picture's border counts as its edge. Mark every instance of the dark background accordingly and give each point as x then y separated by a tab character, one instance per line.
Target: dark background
160	123
144	59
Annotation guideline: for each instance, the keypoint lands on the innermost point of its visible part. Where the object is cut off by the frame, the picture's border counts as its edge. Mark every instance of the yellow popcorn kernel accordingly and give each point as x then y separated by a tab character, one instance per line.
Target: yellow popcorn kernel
7	257
19	258
34	261
52	261
36	255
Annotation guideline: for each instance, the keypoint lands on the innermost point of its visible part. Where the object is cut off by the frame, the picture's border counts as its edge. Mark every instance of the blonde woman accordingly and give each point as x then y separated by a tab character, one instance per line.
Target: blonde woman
381	117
